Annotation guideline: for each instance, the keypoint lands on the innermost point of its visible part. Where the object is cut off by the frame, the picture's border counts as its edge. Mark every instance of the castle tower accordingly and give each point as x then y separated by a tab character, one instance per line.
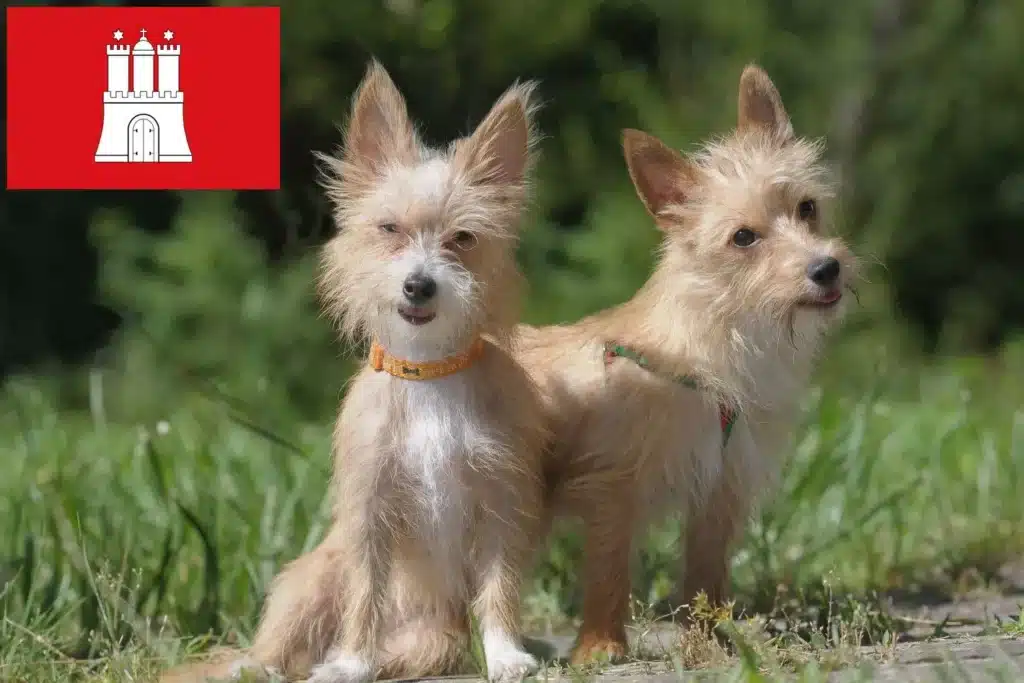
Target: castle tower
144	124
142	65
167	67
117	68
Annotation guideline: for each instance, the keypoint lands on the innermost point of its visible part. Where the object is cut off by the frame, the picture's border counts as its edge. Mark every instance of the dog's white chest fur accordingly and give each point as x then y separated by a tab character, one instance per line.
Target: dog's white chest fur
442	432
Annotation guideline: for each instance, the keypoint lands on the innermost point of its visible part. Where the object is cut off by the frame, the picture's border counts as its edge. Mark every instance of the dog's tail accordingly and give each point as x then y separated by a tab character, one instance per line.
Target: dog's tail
217	664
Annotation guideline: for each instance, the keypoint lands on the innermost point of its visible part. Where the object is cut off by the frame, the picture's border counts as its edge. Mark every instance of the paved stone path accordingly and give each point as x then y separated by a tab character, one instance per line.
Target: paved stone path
965	648
956	658
959	660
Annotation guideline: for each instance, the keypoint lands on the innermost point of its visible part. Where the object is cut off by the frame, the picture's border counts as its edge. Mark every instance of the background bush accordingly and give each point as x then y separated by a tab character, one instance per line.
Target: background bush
920	101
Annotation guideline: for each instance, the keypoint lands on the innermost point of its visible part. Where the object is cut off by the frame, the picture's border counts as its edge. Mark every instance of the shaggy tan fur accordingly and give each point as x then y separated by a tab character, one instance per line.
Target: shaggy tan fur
437	484
745	322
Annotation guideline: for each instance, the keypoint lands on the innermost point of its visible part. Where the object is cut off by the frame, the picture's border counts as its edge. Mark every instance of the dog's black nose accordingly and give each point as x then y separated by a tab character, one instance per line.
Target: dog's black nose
419	289
823	271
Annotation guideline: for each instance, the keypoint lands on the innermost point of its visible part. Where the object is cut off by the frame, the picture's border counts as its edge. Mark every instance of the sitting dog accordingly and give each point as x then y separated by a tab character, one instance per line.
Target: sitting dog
437	485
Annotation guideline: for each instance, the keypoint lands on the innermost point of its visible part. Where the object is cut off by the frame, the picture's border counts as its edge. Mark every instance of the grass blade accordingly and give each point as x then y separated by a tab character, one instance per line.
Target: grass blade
208	615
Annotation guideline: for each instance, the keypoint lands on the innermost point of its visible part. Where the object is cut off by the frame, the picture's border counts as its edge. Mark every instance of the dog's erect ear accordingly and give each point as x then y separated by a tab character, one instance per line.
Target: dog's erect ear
379	131
760	105
499	150
662	176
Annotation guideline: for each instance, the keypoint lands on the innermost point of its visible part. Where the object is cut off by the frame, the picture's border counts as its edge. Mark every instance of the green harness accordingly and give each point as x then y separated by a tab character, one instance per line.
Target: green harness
727	416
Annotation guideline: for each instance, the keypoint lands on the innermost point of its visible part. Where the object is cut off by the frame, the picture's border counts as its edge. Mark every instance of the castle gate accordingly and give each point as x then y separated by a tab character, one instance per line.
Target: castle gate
143	139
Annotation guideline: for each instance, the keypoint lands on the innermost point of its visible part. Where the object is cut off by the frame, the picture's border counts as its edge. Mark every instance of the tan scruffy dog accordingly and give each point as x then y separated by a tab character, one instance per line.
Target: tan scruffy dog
681	398
437	485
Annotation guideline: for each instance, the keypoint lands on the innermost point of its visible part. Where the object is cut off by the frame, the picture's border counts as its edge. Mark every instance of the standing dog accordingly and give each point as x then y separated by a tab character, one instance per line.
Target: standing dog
437	480
681	398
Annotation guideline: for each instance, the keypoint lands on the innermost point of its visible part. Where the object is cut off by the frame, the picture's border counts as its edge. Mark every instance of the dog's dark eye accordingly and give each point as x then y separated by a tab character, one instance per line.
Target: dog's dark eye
807	210
389	227
464	239
744	237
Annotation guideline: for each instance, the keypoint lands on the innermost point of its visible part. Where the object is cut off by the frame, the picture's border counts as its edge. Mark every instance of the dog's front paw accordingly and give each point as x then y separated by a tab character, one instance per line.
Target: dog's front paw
342	669
511	665
596	650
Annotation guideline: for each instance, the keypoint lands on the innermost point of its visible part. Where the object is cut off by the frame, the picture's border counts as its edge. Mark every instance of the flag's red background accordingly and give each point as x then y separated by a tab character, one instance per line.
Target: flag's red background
229	73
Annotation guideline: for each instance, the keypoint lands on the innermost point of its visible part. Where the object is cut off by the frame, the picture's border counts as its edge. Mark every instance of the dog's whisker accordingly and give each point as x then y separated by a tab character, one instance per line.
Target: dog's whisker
856	294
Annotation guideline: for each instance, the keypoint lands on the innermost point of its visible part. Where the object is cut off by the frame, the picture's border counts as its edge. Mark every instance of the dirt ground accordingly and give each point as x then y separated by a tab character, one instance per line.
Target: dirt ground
959	640
968	651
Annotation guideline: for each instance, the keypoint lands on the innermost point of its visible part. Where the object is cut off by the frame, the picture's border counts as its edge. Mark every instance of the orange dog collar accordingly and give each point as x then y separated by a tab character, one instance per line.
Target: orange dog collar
380	359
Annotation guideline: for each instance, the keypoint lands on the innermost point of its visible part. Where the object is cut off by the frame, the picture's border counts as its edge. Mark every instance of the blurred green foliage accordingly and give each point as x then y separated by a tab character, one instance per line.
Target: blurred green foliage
920	100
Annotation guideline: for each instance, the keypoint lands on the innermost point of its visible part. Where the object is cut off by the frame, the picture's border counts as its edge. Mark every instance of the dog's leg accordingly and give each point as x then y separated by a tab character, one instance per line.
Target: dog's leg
714	522
301	616
503	551
607	557
365	528
353	659
712	527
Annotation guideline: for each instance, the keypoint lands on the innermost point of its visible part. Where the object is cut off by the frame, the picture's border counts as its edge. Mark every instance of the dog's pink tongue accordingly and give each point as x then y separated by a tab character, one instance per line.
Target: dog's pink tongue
831	297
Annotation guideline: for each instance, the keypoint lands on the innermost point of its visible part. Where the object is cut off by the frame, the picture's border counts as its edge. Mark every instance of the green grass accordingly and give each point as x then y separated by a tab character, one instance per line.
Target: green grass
1013	627
124	546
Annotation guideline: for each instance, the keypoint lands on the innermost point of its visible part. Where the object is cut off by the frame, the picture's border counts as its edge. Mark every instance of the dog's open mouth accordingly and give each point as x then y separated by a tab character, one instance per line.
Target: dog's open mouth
416	316
826	300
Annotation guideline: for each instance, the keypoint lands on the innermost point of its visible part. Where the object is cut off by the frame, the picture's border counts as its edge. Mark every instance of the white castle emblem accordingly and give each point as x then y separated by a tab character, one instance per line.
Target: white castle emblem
143	124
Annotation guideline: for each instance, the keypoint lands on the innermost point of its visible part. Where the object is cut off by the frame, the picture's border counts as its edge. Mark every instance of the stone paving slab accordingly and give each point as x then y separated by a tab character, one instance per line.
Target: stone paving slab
977	659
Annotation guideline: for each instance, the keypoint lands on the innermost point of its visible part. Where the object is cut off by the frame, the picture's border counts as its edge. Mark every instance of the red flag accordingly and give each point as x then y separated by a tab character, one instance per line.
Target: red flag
191	93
